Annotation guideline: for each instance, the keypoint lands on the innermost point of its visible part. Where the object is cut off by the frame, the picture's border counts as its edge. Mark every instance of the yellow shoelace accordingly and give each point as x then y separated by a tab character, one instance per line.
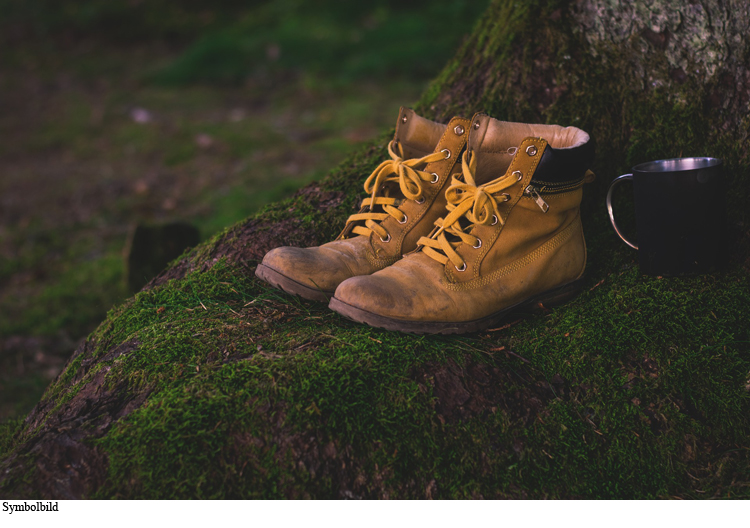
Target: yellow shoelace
409	178
478	204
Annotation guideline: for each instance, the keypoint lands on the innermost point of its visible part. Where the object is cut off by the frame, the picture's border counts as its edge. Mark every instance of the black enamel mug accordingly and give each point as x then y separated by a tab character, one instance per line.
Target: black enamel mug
680	215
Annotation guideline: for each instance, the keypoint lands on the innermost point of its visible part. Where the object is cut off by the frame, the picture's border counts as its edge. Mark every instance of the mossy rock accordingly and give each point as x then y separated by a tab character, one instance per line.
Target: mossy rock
208	383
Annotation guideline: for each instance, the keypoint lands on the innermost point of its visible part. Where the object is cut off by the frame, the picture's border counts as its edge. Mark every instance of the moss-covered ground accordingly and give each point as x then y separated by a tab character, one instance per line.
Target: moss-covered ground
638	388
650	398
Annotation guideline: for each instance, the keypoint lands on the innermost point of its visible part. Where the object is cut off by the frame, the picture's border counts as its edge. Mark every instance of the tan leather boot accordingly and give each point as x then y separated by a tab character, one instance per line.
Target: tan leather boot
406	196
505	245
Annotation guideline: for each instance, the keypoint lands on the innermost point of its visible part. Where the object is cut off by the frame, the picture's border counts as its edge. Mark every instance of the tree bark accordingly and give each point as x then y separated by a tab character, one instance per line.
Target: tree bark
648	80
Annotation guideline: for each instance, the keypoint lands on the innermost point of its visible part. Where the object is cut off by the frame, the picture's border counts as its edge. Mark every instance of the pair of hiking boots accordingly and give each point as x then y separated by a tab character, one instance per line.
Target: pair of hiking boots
466	223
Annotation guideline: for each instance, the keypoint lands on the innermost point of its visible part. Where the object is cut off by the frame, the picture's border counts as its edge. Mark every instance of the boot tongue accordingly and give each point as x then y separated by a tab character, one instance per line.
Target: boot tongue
417	135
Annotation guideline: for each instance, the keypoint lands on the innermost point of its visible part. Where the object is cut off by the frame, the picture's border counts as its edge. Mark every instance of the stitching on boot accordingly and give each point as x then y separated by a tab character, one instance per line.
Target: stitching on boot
379	262
548	246
555	196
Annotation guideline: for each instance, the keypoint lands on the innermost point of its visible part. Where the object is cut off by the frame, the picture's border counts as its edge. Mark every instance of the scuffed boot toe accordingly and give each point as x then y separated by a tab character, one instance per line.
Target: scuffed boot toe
377	301
296	271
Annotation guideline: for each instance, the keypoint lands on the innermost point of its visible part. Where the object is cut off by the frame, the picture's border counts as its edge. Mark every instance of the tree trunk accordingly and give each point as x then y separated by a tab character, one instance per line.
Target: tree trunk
210	384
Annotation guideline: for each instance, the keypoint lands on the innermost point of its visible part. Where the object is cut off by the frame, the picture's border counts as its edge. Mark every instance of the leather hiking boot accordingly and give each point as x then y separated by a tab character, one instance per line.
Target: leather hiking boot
406	195
504	246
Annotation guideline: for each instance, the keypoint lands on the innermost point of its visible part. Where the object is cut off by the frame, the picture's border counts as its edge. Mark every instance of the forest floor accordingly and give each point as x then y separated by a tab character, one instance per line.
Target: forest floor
95	143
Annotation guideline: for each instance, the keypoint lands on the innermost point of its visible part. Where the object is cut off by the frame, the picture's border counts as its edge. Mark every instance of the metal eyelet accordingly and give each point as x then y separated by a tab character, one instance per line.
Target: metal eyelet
479	244
494	220
462	268
531	150
447	153
420	201
459	130
435	178
506	196
388	239
476	125
403	119
518	175
406	219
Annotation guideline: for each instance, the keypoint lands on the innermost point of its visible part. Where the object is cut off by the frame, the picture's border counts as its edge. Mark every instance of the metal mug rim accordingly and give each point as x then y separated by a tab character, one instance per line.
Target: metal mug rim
676	164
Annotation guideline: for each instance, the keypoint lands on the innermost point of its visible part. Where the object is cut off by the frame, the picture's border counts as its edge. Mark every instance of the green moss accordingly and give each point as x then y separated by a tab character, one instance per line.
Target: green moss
662	366
229	387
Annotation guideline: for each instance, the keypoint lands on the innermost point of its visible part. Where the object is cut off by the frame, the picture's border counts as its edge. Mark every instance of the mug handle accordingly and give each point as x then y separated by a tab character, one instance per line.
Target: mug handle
612	186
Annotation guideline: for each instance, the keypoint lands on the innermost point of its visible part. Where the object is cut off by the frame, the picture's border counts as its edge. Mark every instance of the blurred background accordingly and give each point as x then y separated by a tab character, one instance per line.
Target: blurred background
131	113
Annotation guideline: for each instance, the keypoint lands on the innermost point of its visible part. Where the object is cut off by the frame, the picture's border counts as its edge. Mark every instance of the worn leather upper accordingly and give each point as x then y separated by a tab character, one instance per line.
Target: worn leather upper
525	252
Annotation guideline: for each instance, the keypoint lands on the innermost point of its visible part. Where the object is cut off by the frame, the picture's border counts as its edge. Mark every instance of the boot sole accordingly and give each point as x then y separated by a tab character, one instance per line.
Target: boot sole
548	299
291	286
